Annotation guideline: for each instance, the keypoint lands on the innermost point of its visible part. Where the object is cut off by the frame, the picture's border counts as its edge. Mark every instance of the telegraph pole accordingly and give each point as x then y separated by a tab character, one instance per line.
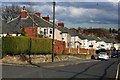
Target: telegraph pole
53	31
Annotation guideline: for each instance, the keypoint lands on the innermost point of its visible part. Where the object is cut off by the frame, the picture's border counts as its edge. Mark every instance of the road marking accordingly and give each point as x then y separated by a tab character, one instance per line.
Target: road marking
118	66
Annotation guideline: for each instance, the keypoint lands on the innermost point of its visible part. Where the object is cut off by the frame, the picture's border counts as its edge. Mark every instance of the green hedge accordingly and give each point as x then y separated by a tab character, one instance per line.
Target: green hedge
41	45
18	45
15	45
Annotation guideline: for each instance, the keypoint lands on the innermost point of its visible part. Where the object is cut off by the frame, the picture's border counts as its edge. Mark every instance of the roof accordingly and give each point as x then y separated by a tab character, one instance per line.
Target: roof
106	40
31	21
63	30
73	33
7	28
18	22
84	36
40	22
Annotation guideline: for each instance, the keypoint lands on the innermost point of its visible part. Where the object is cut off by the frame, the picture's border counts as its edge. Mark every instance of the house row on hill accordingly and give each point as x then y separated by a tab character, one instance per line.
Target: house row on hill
36	25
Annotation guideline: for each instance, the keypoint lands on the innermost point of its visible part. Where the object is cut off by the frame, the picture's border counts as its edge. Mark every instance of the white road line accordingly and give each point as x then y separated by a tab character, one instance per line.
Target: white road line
118	66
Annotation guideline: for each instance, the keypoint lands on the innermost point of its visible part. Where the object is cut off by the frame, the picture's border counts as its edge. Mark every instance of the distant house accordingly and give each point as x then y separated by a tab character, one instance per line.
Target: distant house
83	41
75	40
65	36
104	43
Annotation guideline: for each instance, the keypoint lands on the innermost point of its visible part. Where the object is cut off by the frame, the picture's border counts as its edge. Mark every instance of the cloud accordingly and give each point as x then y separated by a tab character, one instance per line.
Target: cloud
79	12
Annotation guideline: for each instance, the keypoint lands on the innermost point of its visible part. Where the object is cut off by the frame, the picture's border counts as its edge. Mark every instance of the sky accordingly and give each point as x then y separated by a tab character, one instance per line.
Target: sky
85	14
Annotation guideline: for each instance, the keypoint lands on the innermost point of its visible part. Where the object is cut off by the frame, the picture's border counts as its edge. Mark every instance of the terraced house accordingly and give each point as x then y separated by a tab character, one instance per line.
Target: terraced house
35	25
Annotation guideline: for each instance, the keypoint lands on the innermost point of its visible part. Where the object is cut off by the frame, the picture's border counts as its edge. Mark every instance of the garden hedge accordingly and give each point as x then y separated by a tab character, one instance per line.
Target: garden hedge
41	45
18	45
15	45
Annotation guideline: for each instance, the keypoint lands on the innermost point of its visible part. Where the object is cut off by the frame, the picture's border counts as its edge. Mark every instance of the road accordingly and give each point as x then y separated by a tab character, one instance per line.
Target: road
98	70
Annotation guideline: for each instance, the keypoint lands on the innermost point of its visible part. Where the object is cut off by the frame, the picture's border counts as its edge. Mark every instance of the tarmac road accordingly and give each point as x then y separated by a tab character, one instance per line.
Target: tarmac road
71	70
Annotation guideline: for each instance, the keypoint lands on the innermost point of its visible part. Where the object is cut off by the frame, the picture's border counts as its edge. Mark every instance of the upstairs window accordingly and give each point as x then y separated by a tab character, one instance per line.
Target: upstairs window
50	31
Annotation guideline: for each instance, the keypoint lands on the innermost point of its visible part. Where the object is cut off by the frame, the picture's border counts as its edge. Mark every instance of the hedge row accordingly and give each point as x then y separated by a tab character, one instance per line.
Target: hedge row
41	45
17	45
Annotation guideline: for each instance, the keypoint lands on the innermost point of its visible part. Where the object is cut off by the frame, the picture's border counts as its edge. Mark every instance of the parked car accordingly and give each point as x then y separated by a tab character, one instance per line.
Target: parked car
100	54
103	56
115	54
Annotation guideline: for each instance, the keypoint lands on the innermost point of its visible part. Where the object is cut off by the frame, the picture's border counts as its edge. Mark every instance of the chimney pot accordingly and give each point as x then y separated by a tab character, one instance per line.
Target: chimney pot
47	18
37	14
61	24
23	12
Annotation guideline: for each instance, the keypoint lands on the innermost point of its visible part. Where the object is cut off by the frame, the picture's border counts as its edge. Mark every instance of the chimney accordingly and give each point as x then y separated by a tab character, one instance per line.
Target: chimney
37	14
23	13
61	24
46	18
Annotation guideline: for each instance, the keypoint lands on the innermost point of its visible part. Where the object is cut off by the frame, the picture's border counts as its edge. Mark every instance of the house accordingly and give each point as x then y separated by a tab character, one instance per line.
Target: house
83	41
104	43
34	25
6	30
65	36
75	40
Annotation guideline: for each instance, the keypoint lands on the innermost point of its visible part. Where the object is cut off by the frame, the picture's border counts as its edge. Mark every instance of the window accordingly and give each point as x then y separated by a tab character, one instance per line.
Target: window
49	35
50	31
44	31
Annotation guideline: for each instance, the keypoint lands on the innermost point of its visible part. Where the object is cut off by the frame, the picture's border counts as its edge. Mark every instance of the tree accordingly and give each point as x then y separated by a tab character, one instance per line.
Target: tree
10	12
114	31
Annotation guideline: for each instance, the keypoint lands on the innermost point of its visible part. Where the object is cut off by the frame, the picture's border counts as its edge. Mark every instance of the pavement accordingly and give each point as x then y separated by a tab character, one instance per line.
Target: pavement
53	64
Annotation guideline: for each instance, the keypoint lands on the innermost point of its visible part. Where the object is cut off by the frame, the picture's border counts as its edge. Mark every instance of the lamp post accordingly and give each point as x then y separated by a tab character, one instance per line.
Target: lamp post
53	31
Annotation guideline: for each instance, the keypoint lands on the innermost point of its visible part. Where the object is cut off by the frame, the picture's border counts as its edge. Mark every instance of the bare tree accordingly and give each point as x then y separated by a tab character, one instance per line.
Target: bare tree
10	12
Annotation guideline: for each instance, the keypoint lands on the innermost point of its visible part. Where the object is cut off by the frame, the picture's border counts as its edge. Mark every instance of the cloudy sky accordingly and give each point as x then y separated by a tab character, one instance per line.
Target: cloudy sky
79	14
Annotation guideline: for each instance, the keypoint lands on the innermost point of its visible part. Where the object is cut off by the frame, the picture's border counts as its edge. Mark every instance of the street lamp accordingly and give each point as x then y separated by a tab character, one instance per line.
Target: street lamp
53	31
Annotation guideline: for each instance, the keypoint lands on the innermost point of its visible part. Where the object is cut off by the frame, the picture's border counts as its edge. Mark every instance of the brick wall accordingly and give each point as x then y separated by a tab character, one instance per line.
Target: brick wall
31	32
59	47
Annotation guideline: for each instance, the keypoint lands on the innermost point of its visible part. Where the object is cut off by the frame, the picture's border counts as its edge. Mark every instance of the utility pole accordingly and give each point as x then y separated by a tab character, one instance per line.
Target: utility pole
53	31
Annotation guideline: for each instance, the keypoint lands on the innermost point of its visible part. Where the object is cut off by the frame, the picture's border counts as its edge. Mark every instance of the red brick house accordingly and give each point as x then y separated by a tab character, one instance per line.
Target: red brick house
30	22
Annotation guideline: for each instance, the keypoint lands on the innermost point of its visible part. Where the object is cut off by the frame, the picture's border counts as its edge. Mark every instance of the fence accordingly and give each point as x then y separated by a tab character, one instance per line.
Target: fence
79	51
